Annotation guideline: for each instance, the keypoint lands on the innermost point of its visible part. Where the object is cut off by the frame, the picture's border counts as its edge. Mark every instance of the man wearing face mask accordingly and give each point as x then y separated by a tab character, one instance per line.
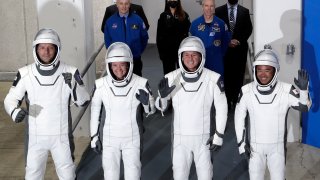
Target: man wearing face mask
239	24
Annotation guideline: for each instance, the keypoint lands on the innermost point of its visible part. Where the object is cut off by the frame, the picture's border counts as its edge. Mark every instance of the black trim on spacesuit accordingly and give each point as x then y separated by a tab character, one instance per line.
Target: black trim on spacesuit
77	77
240	96
47	84
47	72
189	90
301	107
212	119
265	102
220	84
26	129
285	137
294	92
74	92
219	134
17	79
191	80
269	91
139	119
120	95
70	135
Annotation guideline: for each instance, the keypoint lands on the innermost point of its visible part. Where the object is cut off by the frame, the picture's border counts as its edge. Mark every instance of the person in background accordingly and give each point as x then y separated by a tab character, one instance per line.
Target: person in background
129	28
239	24
262	137
173	27
123	95
47	86
134	8
195	92
214	34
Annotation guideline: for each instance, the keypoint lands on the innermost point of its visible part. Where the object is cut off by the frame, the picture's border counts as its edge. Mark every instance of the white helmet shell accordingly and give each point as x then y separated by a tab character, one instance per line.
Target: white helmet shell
192	43
47	35
119	52
266	57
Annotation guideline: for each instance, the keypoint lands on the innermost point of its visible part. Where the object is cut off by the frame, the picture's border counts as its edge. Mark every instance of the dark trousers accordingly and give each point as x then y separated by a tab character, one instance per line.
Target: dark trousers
235	66
169	65
137	66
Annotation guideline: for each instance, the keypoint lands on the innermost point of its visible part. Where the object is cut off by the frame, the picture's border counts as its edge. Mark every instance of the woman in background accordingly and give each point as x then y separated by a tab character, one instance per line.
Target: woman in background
173	27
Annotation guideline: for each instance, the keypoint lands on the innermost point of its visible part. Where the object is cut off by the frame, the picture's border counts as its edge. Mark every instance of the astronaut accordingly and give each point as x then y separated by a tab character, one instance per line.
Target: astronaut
122	95
47	86
262	138
195	93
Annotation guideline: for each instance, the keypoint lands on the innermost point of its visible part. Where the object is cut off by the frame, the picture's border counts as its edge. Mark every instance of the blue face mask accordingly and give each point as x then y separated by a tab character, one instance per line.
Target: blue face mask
173	4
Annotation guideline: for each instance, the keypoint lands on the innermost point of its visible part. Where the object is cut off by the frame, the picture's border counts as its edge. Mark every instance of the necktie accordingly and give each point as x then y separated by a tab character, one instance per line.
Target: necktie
232	22
124	27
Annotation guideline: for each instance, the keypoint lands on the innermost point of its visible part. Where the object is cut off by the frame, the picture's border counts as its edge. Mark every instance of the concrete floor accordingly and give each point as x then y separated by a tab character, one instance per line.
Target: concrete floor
303	161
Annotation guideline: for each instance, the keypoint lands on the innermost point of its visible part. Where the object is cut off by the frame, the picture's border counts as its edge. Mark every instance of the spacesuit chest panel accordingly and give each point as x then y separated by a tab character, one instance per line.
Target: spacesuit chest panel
46	80
192	104
121	106
120	91
267	116
48	108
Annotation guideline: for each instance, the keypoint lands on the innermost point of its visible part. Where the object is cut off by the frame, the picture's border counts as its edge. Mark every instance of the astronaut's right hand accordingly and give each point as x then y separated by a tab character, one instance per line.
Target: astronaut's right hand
215	142
164	89
20	115
96	144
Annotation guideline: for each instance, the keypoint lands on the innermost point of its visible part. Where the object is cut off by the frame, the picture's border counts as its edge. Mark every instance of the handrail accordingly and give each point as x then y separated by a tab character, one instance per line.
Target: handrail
84	71
91	60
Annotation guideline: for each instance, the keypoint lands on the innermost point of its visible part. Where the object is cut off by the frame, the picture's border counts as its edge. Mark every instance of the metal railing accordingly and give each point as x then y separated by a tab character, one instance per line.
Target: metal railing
83	72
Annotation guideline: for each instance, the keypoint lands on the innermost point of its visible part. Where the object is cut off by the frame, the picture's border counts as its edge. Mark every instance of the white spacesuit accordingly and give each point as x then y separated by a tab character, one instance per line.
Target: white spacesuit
264	134
122	100
194	96
47	89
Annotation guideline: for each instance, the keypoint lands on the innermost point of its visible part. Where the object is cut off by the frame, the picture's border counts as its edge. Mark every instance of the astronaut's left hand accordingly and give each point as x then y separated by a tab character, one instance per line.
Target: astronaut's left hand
302	81
67	78
214	146
96	144
143	97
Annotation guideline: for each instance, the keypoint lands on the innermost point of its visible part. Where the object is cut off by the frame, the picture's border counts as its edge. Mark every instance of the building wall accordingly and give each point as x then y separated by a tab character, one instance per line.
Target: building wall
18	25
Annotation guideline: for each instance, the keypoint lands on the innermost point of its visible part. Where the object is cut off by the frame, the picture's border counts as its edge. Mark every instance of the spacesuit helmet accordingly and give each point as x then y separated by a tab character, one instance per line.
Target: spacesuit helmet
47	35
266	57
192	43
119	52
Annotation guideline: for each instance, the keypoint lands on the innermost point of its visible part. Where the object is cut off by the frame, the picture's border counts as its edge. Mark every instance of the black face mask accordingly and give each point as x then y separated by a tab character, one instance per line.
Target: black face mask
233	2
173	4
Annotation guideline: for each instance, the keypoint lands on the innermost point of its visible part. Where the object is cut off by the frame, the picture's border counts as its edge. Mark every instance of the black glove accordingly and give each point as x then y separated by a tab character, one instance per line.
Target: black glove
20	116
98	145
98	148
67	78
213	147
143	97
247	152
164	88
302	81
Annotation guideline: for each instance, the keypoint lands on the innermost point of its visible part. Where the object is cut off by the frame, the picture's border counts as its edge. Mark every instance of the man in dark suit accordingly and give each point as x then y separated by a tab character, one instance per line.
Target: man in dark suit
239	24
134	8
